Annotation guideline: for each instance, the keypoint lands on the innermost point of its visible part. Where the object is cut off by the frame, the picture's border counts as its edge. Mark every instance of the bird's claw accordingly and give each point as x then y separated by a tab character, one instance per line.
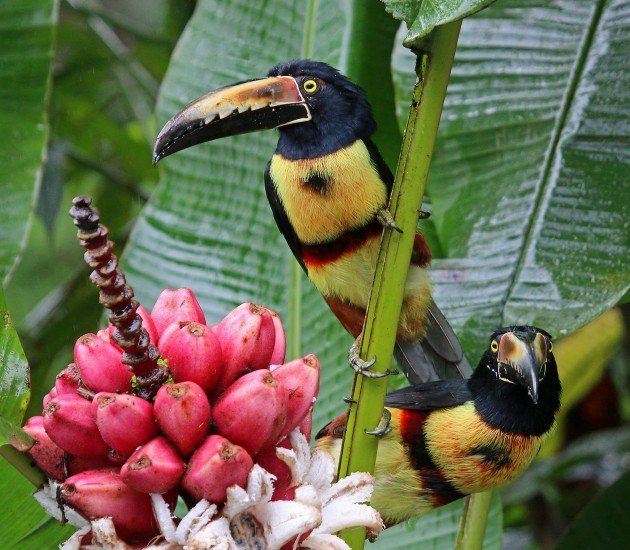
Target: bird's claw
363	367
349	400
385	218
423	214
383	427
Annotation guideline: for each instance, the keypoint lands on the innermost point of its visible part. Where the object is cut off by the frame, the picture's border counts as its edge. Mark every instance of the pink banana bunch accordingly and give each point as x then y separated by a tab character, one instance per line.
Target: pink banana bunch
231	402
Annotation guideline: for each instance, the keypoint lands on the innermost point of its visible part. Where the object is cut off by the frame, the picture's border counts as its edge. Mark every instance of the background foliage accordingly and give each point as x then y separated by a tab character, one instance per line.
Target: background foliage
527	192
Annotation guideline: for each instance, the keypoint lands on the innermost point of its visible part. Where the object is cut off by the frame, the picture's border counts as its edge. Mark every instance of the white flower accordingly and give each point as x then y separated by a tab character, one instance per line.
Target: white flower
250	519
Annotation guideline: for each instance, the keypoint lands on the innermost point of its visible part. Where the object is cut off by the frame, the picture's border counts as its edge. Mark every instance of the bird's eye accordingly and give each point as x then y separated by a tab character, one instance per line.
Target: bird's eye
494	346
310	86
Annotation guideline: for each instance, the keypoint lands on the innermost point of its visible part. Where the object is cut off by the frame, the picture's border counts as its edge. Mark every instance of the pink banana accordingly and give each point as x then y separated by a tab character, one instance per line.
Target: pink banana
216	465
280	343
100	365
252	412
176	306
183	414
300	380
156	467
193	353
48	456
248	339
102	493
69	422
124	422
68	380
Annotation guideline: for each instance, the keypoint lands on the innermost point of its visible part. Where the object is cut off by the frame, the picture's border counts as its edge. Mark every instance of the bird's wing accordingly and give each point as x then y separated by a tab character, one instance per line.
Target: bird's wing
438	355
430	396
440	394
282	220
381	166
441	336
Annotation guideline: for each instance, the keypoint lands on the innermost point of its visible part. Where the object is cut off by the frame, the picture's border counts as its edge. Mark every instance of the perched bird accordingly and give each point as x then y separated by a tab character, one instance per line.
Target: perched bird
328	188
450	438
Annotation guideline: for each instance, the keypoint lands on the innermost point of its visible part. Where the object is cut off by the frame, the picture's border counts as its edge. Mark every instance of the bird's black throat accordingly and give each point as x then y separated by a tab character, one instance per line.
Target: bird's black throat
508	407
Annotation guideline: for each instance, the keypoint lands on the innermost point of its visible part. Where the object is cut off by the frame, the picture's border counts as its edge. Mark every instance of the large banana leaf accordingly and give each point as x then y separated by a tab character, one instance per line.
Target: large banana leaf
422	16
26	34
25	524
14	378
529	182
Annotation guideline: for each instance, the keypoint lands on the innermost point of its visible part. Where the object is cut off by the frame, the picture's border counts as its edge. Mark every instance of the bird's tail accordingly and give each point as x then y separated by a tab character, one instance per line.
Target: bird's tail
438	355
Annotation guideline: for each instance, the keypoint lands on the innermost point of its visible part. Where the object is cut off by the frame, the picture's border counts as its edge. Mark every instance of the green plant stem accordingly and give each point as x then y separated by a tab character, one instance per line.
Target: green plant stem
472	525
379	332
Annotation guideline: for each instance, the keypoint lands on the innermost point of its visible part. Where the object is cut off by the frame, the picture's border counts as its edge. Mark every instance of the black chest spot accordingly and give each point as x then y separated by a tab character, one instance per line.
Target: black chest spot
317	182
493	456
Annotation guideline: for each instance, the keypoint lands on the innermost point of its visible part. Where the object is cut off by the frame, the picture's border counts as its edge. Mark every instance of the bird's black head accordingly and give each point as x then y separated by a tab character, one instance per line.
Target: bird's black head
516	385
340	112
315	107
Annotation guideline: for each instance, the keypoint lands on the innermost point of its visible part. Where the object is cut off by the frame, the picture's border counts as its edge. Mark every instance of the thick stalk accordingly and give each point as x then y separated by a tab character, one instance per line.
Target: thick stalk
472	525
379	332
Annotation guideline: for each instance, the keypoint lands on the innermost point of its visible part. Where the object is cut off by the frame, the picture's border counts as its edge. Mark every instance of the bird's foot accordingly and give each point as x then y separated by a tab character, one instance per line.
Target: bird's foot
424	215
384	217
363	367
349	400
383	427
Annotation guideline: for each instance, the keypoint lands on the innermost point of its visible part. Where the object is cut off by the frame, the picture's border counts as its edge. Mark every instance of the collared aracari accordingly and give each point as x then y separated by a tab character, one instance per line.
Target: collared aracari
328	188
450	438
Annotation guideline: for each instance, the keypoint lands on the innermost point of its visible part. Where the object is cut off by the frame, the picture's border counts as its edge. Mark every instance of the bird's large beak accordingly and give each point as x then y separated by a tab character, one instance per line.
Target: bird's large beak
522	360
245	107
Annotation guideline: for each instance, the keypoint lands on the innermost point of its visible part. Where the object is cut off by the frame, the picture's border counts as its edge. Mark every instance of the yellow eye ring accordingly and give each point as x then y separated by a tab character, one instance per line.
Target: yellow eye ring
550	346
494	346
310	86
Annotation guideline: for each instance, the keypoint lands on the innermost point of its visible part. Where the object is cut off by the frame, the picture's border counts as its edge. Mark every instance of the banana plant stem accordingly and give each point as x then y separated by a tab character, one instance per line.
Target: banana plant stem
433	68
472	525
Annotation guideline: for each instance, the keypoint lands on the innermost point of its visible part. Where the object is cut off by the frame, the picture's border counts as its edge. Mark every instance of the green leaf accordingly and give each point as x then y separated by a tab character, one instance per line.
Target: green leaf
14	435
14	379
422	16
26	41
529	182
604	522
25	524
438	530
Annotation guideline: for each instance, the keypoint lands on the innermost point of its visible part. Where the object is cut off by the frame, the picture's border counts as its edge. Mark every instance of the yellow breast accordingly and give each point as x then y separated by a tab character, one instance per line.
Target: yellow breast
353	193
460	448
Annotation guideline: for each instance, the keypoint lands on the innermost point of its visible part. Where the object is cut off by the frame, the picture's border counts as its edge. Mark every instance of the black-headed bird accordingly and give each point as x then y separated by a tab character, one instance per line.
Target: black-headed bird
328	187
451	438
